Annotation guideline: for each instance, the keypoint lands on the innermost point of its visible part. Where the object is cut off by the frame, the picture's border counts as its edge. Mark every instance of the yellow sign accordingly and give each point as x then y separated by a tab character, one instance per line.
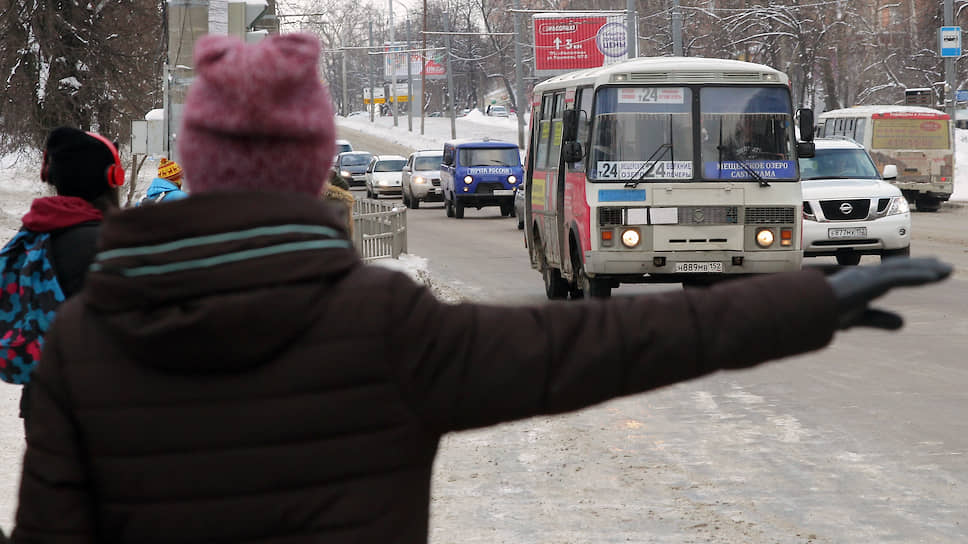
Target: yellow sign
910	134
537	192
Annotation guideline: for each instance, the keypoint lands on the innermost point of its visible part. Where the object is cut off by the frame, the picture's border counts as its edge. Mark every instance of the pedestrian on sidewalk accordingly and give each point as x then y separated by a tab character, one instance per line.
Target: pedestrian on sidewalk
167	186
234	373
47	261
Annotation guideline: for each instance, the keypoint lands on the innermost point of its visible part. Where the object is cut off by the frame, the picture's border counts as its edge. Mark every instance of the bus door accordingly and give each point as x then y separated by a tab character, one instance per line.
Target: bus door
574	206
544	180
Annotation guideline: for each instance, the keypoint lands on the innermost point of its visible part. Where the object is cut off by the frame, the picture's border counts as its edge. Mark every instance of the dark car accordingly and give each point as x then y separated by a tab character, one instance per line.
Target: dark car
351	166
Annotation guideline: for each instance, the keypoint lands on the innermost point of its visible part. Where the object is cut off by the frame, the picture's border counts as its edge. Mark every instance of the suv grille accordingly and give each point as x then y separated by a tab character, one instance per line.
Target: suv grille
761	216
435	182
845	210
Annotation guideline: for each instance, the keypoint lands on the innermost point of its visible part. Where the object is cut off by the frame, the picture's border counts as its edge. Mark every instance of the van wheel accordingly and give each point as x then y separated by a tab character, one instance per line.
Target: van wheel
507	210
458	208
449	207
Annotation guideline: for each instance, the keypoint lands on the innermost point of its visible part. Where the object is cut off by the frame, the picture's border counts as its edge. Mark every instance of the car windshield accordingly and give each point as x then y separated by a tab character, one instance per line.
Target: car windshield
390	166
500	156
355	160
427	163
838	164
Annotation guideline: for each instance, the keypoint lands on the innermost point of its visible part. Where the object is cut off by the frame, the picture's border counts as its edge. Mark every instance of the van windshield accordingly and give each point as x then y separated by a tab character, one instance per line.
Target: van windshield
427	163
503	156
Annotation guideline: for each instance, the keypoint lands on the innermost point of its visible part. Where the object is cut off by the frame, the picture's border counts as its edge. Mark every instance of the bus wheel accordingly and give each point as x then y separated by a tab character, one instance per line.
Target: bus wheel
458	208
592	287
927	203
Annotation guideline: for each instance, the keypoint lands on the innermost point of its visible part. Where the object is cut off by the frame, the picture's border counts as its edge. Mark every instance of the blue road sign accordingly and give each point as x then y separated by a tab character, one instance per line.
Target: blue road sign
949	40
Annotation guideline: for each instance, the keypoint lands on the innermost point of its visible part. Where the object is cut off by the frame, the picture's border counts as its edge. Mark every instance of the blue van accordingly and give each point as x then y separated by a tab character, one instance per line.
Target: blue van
478	173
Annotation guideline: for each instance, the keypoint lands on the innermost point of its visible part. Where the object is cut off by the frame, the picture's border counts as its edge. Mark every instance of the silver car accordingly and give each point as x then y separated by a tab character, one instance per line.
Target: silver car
420	181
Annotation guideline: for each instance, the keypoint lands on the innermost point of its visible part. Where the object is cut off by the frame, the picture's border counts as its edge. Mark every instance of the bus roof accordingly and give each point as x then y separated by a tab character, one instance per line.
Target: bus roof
880	109
645	70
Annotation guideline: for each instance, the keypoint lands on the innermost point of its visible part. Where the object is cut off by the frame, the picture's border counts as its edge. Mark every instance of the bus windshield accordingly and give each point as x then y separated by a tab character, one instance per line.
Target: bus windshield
909	133
642	133
747	132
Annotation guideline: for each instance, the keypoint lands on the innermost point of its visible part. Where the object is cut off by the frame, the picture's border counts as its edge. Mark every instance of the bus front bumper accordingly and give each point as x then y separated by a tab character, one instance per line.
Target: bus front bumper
637	263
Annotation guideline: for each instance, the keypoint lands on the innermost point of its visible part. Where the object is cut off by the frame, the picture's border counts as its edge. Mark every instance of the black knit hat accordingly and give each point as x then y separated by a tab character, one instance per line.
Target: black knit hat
76	163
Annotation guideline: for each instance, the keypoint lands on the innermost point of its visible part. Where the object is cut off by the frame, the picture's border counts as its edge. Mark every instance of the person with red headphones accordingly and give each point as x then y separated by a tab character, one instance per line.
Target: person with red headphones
84	170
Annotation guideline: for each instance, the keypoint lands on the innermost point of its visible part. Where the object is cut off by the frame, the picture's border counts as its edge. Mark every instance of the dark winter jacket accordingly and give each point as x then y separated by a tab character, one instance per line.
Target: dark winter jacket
279	417
73	224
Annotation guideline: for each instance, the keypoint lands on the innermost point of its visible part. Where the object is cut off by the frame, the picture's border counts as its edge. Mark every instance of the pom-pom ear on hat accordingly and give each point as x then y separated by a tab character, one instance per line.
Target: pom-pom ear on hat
257	116
170	170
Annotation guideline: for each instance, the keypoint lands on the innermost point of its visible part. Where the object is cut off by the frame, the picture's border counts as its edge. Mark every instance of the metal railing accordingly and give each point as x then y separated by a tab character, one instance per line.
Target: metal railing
379	229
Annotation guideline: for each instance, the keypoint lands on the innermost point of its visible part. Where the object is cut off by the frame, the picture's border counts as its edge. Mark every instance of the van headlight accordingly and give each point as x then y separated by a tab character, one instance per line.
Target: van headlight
468	180
899	205
764	238
512	180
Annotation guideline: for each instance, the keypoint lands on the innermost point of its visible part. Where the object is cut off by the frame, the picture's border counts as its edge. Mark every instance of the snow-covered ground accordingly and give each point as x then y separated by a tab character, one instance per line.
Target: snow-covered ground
20	184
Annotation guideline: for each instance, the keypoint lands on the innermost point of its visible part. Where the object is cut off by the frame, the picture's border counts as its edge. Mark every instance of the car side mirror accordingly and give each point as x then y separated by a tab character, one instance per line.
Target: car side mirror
890	171
806	150
571	151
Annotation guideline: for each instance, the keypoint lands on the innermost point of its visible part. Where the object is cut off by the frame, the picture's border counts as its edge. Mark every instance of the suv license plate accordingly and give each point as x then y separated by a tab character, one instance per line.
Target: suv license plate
849	232
694	268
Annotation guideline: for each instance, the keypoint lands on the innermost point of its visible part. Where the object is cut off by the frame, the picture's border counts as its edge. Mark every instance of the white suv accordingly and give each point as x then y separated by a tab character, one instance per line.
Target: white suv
848	208
421	178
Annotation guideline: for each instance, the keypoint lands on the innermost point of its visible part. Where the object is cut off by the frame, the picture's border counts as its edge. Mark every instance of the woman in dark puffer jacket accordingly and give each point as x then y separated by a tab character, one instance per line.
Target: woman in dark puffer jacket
217	379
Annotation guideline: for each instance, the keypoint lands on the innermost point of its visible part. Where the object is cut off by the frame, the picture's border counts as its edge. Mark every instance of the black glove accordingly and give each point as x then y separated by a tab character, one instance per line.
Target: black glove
854	287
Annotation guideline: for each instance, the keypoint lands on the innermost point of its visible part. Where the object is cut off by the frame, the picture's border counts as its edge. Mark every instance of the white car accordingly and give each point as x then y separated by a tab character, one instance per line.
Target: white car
383	175
421	178
848	208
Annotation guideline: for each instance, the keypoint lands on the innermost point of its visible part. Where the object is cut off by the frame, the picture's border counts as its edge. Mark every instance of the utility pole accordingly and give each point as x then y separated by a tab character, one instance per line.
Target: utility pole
676	29
450	77
423	69
392	99
520	101
632	29
343	111
409	80
949	67
370	58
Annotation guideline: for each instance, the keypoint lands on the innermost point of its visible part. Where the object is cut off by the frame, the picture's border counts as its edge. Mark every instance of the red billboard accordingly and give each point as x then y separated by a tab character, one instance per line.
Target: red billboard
564	42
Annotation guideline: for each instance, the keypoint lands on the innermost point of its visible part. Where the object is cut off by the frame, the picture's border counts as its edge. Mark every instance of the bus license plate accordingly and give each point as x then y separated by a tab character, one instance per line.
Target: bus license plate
698	268
849	232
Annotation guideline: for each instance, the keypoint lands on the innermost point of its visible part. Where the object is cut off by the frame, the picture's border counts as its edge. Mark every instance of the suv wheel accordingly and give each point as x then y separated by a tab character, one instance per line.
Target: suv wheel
903	252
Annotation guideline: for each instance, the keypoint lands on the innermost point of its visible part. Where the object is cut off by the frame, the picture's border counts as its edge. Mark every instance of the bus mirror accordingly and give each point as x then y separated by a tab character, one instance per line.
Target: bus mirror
890	171
806	124
570	120
806	150
571	151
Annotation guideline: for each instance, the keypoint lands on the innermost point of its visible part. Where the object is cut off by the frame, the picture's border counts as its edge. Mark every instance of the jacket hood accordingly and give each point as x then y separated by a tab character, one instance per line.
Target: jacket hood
161	185
51	213
218	282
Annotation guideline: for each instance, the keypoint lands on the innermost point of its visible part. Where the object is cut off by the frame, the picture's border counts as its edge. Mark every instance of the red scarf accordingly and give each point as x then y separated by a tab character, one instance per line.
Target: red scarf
51	213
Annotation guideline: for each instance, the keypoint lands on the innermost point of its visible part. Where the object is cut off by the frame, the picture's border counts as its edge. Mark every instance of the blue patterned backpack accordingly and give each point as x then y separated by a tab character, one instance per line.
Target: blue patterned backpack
28	301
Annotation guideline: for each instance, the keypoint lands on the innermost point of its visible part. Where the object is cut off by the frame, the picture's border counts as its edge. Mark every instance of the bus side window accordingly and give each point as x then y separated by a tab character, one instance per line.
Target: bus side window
861	130
554	152
544	133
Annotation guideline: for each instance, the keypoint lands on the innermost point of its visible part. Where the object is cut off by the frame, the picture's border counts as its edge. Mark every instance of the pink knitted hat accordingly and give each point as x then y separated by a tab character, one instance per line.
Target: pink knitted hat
257	117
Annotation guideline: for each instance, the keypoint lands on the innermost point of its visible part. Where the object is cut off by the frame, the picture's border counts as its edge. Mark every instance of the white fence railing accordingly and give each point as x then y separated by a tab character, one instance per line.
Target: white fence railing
379	229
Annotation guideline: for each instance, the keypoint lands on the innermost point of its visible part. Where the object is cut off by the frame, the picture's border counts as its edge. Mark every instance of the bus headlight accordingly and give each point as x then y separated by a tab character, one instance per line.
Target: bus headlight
468	180
764	238
512	180
630	238
899	205
419	180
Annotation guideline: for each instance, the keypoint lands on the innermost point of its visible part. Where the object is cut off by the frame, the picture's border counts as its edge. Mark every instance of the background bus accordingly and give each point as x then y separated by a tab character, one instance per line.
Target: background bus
916	139
663	170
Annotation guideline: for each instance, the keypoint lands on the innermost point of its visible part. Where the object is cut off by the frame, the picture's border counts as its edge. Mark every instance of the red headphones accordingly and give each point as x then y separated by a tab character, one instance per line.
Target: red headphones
114	174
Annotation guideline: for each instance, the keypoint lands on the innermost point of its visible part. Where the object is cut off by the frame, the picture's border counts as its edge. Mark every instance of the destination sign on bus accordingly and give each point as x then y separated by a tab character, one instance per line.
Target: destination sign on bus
652	95
736	170
622	170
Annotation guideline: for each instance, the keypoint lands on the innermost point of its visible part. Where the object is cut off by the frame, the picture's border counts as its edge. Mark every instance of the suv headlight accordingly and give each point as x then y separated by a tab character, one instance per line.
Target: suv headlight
898	205
345	173
419	180
808	212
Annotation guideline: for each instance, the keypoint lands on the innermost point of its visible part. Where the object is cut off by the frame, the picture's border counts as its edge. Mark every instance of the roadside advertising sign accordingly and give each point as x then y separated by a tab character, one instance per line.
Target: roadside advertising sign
564	42
395	64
